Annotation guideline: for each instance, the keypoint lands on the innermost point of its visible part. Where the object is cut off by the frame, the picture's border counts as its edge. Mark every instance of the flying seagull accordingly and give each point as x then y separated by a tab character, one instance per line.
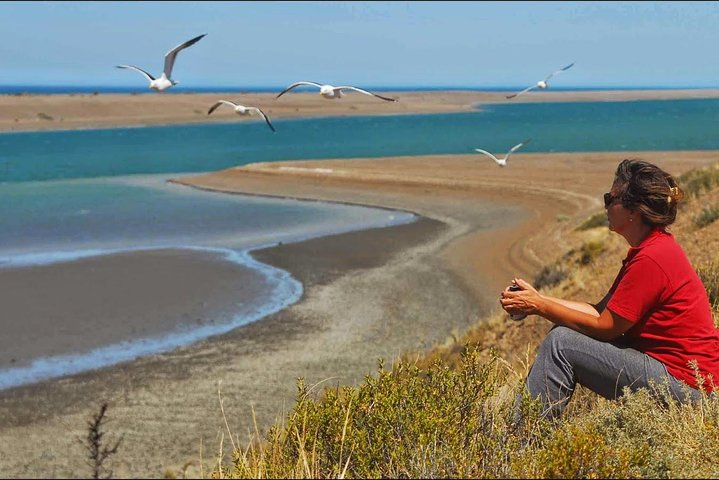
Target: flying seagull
330	92
541	83
502	162
165	81
242	110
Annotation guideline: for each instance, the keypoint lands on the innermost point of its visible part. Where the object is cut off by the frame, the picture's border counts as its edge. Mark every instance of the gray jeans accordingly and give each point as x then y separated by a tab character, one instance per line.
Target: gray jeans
567	358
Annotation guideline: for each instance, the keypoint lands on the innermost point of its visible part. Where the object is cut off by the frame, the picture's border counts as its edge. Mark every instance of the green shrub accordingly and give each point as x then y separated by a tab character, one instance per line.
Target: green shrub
708	215
408	422
585	451
590	251
550	275
641	435
596	220
709	275
456	423
697	181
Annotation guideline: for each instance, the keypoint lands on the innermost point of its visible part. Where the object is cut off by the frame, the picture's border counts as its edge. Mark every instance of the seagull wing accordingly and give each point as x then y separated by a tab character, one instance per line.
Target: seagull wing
558	71
518	146
523	91
366	93
297	84
269	124
220	102
488	154
137	69
170	56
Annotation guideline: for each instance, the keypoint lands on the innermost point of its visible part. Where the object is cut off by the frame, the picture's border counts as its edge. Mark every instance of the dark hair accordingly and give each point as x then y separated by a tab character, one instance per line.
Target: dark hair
646	188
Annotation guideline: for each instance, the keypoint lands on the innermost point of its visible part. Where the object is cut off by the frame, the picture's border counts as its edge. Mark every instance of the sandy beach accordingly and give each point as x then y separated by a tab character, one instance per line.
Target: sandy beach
368	295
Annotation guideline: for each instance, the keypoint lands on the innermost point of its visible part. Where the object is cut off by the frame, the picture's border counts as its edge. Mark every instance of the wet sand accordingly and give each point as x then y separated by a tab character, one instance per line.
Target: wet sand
99	301
368	295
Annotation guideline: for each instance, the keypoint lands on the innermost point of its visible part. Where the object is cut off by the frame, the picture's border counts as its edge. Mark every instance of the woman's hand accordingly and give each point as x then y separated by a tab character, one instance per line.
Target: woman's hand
526	301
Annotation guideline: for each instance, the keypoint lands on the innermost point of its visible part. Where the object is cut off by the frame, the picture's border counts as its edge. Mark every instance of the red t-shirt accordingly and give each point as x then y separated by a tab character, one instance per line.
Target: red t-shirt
658	290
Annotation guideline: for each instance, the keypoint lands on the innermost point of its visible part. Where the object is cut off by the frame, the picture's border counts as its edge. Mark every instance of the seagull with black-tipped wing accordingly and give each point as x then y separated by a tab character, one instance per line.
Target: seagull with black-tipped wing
165	81
502	162
331	92
242	110
541	83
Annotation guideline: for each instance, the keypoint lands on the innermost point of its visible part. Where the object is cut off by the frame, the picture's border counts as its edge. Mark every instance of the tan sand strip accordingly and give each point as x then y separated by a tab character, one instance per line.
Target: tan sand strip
72	111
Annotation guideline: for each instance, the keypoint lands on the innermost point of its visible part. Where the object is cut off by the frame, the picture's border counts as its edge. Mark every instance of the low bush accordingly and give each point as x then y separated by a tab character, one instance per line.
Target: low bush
698	181
706	216
407	422
457	423
596	220
550	275
589	251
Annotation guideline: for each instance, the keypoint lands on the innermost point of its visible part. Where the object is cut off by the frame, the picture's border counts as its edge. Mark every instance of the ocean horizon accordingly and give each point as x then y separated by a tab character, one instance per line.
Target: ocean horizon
130	89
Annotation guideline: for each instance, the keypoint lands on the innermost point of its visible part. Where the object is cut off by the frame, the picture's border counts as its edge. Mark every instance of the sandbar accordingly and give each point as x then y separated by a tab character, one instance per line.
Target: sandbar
31	112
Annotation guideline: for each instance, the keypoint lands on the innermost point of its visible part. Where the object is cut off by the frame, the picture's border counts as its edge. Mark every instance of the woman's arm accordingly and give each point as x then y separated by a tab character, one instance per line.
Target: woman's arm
590	308
579	306
606	326
600	324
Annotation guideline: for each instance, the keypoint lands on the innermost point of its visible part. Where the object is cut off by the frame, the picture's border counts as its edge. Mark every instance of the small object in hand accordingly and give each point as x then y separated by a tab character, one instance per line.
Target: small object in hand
520	316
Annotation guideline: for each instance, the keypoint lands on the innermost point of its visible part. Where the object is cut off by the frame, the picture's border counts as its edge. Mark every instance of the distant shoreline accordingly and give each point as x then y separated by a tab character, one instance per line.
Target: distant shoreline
95	90
45	112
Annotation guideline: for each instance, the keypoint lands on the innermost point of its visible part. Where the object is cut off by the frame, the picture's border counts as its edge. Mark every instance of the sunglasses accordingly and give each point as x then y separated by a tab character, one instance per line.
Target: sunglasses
608	199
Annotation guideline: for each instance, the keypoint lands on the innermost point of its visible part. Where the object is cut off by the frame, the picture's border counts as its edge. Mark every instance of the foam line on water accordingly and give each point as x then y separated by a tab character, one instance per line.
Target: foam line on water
285	291
20	260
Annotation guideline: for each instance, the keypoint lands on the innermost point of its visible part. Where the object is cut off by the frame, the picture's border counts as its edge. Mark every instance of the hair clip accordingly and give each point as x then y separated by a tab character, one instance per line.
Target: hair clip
673	192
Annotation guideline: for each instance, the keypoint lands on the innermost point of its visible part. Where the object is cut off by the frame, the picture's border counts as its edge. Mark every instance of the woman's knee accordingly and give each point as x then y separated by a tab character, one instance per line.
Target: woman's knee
560	340
560	336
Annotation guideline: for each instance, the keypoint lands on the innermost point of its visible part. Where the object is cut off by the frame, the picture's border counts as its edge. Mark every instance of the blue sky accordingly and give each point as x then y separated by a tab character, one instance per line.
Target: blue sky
479	44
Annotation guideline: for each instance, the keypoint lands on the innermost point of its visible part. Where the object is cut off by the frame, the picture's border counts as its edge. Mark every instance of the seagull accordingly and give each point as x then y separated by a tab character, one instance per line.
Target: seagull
242	110
165	82
502	162
330	92
541	83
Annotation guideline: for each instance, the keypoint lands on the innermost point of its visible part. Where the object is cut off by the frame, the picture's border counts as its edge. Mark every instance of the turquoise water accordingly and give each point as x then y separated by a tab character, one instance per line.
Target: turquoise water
565	127
132	212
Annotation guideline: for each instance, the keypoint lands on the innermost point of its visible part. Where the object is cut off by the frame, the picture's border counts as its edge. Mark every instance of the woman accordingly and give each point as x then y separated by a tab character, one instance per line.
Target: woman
653	326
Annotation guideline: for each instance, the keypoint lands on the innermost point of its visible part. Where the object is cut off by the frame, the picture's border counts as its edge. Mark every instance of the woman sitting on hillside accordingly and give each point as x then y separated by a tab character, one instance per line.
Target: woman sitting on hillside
654	326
